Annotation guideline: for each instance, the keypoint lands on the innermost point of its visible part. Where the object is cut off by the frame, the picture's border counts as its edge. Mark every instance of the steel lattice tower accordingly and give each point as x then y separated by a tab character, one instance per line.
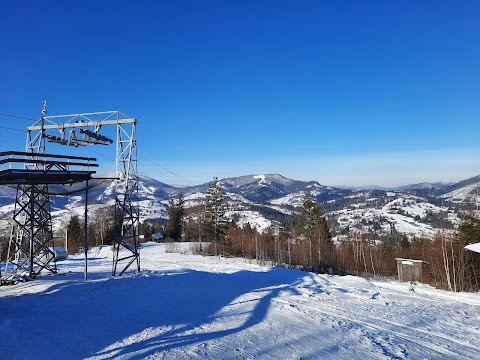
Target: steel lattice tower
32	235
126	234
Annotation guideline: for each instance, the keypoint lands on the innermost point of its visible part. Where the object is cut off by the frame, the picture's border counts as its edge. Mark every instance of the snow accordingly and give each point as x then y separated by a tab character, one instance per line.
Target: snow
466	193
260	177
401	211
239	199
473	247
263	180
146	190
294	199
6	209
281	210
184	306
196	196
254	218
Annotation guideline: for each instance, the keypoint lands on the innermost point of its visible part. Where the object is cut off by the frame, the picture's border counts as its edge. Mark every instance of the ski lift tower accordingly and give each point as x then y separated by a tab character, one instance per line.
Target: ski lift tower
79	130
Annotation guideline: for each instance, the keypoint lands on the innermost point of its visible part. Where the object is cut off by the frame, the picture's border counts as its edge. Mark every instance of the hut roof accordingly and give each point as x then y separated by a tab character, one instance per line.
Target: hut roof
473	247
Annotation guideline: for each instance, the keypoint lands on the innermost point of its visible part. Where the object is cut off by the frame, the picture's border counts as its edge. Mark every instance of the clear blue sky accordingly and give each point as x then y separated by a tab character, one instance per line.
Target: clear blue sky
342	92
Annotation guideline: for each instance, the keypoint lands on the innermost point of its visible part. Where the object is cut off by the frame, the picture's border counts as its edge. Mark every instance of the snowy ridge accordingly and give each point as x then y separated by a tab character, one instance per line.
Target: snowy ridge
469	193
464	191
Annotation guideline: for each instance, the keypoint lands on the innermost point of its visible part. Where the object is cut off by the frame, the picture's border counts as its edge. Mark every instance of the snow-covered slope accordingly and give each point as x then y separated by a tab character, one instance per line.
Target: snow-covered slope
466	192
194	307
397	211
469	194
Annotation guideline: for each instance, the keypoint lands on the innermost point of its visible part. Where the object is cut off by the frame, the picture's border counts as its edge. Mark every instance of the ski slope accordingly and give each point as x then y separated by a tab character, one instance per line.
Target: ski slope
184	306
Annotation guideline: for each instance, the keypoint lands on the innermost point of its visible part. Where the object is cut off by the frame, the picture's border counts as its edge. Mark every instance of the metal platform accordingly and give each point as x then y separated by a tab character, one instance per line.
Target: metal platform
50	177
44	168
31	241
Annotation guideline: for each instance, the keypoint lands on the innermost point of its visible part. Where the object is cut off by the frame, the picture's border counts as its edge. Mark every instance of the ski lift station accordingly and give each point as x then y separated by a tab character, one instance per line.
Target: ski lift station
34	171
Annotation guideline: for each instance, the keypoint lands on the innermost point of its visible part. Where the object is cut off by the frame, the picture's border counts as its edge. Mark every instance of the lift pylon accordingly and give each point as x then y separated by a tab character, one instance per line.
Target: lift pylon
126	234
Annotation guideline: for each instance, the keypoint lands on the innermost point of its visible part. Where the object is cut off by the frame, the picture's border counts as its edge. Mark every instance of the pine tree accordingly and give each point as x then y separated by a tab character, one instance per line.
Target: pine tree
215	224
312	227
74	234
176	213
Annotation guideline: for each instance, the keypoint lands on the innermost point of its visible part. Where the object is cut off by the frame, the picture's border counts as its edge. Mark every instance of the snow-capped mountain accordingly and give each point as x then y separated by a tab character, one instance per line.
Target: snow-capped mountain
415	210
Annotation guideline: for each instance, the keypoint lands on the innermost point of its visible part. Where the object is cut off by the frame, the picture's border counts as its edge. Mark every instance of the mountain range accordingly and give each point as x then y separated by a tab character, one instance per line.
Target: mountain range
415	209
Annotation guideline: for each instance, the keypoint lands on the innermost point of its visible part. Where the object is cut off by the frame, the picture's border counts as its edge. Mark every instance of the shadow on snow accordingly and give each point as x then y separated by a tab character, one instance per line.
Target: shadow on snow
176	307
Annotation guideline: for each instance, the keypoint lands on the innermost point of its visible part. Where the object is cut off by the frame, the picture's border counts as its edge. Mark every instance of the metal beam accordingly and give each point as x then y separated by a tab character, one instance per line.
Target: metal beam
58	156
81	124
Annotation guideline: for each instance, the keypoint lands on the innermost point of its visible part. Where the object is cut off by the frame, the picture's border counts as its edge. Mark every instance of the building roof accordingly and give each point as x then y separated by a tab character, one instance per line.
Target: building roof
473	247
411	261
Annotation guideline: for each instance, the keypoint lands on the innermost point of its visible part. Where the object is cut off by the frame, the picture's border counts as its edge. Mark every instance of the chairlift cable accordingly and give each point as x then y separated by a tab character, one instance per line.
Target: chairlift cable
163	168
151	161
9	128
18	117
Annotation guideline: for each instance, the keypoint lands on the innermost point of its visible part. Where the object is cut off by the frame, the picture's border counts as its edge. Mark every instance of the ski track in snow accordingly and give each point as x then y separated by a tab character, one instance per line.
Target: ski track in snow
192	307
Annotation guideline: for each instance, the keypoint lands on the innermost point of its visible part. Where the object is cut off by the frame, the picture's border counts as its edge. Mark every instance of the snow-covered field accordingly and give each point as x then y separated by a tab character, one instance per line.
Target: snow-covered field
187	306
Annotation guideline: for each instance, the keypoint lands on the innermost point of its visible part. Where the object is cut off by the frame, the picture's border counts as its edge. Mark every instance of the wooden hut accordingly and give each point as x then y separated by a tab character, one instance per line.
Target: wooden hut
409	270
157	237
